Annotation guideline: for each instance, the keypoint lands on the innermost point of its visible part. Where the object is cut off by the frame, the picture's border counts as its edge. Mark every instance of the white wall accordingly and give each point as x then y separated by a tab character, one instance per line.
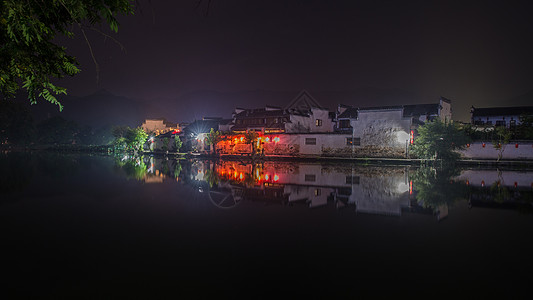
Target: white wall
445	112
322	141
384	128
477	151
308	124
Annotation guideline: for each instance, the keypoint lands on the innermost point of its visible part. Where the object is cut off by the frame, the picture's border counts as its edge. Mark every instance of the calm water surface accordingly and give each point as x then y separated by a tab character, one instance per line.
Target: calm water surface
103	227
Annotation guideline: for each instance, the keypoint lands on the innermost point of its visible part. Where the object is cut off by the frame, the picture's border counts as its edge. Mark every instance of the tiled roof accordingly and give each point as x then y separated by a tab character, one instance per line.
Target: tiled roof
502	111
420	109
260	113
408	110
349	113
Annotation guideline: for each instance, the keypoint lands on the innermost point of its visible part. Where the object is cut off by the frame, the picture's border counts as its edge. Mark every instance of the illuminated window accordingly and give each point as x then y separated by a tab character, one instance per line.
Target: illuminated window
318	192
353	141
318	122
310	141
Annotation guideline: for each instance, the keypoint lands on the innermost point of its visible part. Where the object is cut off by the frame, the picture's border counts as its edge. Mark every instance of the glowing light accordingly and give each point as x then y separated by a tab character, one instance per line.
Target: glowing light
276	139
240	176
267	139
412	137
410	187
276	177
266	176
242	138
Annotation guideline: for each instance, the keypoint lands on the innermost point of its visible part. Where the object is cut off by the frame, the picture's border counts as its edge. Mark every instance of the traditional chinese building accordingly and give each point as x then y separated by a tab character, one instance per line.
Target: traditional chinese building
499	116
159	126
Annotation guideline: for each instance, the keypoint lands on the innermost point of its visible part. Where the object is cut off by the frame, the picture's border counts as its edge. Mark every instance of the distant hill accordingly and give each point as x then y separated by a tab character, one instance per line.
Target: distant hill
104	108
96	110
198	104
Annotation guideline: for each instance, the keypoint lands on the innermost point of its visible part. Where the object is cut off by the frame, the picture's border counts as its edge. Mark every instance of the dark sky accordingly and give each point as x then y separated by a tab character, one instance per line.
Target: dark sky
475	53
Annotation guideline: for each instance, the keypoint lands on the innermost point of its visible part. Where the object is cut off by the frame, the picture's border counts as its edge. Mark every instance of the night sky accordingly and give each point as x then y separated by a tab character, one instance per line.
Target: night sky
475	53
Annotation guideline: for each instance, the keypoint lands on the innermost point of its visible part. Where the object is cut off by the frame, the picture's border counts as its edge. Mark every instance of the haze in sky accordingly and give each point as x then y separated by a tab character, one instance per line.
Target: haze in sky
474	53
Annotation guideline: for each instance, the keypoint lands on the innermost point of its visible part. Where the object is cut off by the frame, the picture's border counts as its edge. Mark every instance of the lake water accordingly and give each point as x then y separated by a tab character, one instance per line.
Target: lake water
82	226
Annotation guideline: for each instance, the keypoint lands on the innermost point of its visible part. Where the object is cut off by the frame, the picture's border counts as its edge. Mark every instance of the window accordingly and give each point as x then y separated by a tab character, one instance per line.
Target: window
318	192
310	141
352	179
310	177
354	141
344	124
318	122
500	123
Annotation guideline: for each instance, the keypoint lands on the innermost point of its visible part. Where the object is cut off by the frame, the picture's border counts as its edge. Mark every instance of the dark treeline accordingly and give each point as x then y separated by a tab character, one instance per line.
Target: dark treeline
18	128
522	131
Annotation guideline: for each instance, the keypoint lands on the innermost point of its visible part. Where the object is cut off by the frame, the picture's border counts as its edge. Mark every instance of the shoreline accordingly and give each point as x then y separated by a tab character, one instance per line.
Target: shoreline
301	158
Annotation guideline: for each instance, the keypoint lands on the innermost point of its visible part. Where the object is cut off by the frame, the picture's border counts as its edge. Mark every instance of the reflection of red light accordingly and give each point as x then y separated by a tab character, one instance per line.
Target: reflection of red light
276	177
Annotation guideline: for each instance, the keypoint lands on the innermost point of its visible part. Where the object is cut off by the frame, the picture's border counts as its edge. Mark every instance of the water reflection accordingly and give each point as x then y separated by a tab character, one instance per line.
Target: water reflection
383	190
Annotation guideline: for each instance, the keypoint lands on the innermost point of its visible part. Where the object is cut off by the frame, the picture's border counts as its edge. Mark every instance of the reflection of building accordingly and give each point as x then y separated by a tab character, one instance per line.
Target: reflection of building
368	189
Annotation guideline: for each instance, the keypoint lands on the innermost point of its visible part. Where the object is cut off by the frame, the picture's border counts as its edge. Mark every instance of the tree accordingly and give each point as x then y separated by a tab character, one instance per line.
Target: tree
177	143
129	139
438	140
250	137
136	138
165	144
58	130
212	138
30	57
501	137
16	123
524	131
